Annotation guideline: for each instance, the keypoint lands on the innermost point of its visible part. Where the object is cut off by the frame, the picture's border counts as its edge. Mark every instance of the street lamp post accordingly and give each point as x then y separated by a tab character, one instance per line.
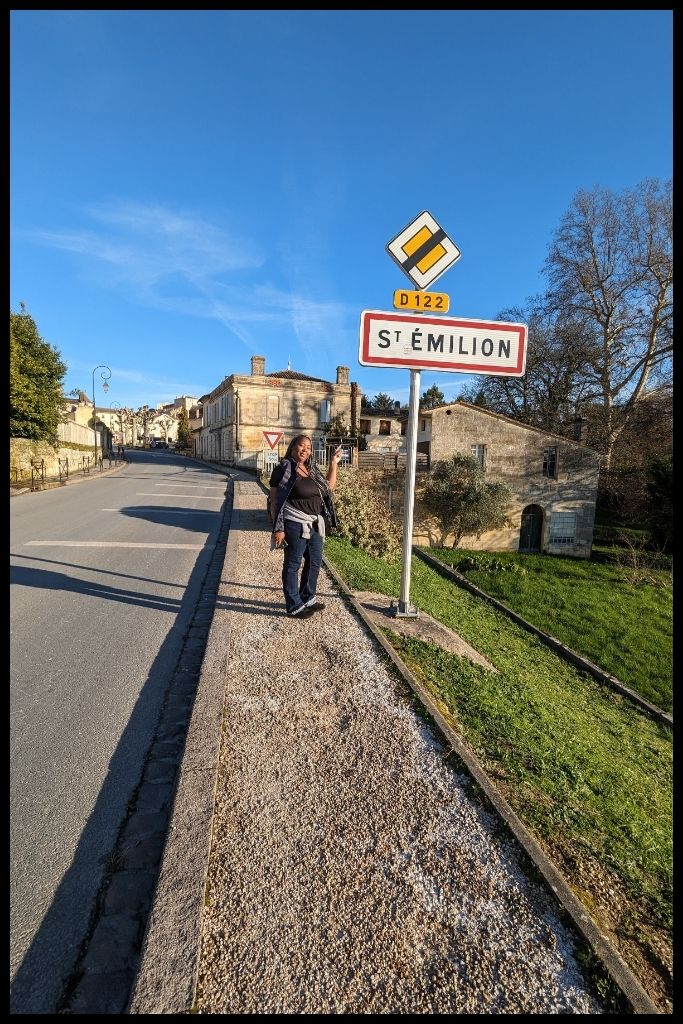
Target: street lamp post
105	375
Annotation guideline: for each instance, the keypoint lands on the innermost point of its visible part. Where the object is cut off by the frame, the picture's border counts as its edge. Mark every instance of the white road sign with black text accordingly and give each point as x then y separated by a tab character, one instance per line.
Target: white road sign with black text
442	343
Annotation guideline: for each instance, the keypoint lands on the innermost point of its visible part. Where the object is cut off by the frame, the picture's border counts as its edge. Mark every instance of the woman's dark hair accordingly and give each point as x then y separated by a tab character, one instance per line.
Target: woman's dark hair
295	440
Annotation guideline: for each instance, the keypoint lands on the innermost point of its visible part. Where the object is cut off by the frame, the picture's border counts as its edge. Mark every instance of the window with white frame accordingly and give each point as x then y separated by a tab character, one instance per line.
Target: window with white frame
325	410
479	453
562	529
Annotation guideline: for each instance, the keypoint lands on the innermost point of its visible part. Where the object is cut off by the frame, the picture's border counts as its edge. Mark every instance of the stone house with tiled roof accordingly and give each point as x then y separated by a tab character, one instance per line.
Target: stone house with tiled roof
248	421
553	479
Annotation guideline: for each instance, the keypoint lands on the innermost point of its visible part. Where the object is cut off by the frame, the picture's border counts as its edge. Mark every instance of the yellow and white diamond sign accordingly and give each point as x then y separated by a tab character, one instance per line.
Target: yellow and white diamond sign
423	250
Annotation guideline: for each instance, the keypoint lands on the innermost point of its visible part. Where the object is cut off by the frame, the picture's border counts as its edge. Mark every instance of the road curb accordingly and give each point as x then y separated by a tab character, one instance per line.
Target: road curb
166	978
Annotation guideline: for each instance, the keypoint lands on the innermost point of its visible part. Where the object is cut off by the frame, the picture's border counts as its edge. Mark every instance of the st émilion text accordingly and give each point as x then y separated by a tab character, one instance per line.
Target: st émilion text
442	343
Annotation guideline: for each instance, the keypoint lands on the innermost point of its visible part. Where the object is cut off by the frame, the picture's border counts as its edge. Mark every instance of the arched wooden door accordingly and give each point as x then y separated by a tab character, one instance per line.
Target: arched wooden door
531	530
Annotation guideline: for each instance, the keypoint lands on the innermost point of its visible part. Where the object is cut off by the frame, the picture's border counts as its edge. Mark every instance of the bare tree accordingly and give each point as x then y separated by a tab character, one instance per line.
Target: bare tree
165	422
554	383
610	271
144	414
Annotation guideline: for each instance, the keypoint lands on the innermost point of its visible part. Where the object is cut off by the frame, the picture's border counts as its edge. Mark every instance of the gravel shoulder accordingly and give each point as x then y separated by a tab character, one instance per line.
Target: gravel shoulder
324	856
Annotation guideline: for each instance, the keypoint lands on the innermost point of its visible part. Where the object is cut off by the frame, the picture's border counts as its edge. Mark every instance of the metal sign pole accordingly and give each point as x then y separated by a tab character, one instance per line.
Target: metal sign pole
405	608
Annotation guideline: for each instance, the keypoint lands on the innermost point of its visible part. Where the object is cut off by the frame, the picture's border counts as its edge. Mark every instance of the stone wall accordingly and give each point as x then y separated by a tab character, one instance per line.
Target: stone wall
22	451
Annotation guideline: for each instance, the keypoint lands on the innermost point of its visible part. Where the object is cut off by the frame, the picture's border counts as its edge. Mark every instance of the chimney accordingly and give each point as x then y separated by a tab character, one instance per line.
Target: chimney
258	366
342	375
579	428
355	404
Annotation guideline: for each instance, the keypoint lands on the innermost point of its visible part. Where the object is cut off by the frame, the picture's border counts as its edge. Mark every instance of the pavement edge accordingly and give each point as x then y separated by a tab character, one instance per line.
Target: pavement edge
166	979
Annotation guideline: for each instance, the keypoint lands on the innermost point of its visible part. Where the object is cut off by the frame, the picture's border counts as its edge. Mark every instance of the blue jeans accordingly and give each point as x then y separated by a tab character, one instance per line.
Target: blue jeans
308	550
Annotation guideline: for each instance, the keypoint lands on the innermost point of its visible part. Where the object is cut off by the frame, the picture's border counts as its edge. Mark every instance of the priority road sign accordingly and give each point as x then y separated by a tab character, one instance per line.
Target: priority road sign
442	343
423	250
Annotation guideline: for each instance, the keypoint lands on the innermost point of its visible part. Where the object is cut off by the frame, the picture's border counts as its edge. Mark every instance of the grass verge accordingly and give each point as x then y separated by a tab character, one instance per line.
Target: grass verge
588	773
590	606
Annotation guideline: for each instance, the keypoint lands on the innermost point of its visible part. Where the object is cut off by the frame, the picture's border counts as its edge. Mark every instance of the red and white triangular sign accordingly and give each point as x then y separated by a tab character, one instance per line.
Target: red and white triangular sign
273	437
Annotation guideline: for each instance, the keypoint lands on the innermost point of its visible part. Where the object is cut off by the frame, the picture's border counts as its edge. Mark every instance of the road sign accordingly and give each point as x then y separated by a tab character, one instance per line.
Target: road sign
442	343
423	250
273	437
433	302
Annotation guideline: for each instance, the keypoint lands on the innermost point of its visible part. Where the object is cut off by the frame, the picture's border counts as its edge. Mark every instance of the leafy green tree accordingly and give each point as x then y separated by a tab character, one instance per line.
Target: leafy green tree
184	432
36	374
462	502
381	402
480	399
337	427
432	398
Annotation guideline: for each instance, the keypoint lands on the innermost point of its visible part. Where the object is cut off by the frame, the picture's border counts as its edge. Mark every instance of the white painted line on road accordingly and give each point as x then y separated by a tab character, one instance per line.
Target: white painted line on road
206	486
106	544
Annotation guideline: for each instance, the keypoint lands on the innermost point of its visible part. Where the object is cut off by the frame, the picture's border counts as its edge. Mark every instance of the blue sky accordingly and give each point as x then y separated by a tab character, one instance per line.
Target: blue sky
191	188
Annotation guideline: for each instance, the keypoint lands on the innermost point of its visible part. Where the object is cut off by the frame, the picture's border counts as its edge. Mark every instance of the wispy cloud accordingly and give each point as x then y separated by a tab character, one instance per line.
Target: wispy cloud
183	264
148	243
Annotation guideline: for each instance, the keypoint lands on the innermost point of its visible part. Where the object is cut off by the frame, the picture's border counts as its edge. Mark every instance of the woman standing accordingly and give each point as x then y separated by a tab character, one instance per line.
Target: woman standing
297	488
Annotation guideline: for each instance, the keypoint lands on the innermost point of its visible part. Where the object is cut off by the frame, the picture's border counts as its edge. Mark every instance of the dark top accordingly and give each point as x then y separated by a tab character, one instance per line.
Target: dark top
304	495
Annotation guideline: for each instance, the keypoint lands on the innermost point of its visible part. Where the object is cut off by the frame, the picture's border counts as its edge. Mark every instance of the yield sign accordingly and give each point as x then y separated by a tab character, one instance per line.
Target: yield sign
273	437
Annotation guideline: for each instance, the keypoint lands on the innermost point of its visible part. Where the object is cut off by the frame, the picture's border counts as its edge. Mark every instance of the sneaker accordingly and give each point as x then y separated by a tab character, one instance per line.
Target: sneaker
304	612
314	606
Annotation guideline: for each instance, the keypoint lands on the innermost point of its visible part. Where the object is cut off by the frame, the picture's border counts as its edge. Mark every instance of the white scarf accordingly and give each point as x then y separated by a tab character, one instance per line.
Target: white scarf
306	521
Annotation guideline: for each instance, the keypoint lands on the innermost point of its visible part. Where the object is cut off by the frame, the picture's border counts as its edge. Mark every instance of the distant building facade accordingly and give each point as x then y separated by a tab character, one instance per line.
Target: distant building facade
249	419
553	480
383	429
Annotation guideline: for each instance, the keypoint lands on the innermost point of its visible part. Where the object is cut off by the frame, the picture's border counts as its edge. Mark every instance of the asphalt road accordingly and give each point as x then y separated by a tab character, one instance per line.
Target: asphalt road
104	581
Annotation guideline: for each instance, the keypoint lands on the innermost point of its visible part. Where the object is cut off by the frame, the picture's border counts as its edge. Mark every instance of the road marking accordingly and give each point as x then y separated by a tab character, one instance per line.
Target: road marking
107	544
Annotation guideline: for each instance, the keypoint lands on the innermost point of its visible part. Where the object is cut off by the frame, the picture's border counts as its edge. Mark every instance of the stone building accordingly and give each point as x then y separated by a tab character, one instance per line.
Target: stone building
383	429
79	411
248	421
553	480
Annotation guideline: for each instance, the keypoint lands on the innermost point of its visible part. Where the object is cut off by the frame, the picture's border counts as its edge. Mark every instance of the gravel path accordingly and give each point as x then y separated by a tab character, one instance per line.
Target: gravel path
352	870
